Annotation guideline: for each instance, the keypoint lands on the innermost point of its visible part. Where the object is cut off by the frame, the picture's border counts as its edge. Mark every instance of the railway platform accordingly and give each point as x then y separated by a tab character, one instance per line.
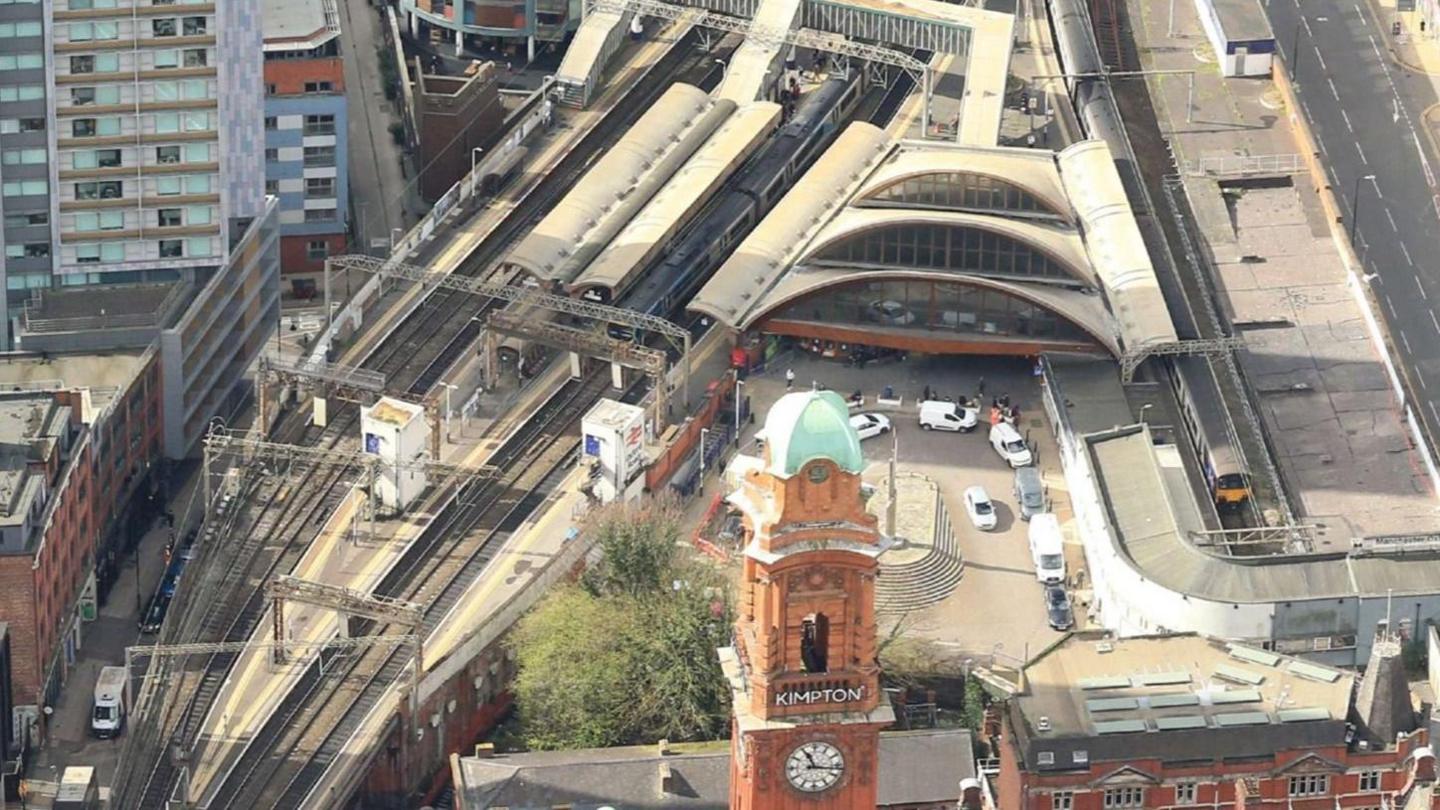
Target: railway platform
1319	372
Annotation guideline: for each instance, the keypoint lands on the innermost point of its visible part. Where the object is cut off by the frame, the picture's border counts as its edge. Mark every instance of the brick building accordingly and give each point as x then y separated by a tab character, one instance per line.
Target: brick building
306	141
1187	721
76	464
455	115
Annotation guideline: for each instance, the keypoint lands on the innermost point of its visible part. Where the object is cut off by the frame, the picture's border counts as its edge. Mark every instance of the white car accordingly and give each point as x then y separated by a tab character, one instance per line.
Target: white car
893	313
980	509
869	425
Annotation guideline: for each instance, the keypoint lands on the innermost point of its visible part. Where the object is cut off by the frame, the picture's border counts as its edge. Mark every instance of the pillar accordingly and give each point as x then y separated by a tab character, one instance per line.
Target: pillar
414	26
575	365
530	48
617	376
459	42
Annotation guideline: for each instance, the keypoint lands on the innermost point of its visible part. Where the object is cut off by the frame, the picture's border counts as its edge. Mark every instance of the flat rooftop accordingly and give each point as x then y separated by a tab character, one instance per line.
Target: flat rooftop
103	372
298	24
1176	697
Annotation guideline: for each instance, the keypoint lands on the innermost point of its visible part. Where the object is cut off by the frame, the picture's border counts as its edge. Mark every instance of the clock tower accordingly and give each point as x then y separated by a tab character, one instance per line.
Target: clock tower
804	679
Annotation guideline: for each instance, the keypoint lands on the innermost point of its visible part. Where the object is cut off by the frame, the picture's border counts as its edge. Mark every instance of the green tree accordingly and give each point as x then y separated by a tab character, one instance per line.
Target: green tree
624	656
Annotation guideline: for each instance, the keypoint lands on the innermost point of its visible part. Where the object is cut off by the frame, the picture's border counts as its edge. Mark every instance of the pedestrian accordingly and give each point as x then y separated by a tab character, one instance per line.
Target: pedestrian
789	378
982	386
1004	400
927	393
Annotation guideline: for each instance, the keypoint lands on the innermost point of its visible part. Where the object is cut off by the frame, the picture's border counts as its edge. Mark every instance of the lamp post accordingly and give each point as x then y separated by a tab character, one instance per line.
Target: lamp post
475	152
448	388
1355	206
739	390
1143	408
704	440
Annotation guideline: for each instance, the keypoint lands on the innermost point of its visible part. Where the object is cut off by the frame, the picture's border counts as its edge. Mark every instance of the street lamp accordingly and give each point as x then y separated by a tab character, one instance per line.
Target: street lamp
739	389
1355	206
1295	50
448	388
1143	408
724	69
704	440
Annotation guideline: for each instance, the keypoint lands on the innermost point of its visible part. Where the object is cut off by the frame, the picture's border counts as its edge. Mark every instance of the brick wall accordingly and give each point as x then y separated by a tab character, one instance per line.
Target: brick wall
295	252
290	75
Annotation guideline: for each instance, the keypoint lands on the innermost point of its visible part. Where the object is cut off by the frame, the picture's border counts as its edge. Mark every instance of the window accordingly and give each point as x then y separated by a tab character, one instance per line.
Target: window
82	64
319	156
1310	784
198	246
1124	797
167	154
83	127
22	92
21	61
100	190
172	248
1185	793
168	218
107	158
167	186
197	153
107	63
87	254
167	59
29	250
27	220
19	29
319	125
197	185
163	27
272	187
194	57
271	122
317	249
195	89
1369	781
1062	799
320	215
319	187
195	121
167	122
271	88
11	126
272	153
25	188
197	215
100	221
193	26
318	87
22	157
81	96
815	642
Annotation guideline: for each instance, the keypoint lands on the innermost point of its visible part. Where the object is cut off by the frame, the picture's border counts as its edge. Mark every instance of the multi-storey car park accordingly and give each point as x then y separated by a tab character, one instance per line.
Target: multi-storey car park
982	249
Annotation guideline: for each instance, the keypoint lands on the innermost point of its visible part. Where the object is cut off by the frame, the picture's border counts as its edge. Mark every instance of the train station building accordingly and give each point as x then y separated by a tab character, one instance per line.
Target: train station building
948	249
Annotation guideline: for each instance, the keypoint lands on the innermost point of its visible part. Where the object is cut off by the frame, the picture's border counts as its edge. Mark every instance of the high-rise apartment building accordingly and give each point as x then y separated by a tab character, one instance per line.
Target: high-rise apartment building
130	134
306	148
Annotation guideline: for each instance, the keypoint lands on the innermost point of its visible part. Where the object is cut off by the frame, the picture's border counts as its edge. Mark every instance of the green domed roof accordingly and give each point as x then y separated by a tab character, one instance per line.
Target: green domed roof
807	425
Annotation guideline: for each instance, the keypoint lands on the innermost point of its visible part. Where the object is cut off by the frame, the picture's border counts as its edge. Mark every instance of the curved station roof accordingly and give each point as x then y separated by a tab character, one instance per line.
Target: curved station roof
1065	213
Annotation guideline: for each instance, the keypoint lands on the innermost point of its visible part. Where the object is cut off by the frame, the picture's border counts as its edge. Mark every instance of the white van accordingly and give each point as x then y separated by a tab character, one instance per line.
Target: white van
1047	548
107	713
943	415
1011	446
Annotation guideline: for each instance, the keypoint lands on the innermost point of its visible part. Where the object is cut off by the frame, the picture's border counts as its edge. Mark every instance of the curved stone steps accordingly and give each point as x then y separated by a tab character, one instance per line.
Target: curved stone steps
927	581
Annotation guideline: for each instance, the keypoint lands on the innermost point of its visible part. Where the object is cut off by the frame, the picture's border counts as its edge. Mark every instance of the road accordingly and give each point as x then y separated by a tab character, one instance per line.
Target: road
1366	111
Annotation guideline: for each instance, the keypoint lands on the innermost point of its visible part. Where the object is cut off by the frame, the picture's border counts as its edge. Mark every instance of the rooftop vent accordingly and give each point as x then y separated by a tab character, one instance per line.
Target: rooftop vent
1043	725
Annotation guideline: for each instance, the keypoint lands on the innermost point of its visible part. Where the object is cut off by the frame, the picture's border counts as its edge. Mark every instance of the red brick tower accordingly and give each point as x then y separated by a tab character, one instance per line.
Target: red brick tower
807	701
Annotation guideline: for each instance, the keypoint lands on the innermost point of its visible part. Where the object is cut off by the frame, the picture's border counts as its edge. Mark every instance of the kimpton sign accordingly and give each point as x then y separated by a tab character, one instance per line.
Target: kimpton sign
798	696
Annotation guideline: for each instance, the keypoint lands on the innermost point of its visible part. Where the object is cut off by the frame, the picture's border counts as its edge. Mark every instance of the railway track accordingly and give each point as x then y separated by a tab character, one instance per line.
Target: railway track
413	357
304	735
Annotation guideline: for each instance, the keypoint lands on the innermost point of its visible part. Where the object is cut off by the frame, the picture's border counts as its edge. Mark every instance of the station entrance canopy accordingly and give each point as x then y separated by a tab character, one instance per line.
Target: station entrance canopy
949	248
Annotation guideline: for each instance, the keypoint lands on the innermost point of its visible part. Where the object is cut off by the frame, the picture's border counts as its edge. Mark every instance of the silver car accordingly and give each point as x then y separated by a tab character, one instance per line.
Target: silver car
1029	492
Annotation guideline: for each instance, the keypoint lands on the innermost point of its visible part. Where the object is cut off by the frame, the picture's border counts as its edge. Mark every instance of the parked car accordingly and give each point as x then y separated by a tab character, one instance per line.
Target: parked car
1047	548
869	425
1009	444
980	509
1029	492
945	415
892	313
1057	608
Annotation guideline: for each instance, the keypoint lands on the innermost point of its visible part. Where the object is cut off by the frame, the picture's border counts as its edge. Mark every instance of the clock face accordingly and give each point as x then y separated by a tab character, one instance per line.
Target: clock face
814	766
818	473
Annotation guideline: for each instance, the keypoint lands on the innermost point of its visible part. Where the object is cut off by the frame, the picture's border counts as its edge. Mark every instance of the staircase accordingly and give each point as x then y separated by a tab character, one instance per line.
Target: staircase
921	583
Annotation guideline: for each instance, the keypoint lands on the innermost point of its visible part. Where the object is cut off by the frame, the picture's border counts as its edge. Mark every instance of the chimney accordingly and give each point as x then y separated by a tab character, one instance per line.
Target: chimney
485	750
1384	699
971	797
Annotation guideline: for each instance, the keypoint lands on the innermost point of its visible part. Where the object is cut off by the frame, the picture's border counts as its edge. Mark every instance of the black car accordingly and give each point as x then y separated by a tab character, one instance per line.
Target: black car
1057	608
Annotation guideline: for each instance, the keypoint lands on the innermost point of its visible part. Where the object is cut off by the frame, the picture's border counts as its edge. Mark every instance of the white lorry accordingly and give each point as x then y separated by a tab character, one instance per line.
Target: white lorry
107	715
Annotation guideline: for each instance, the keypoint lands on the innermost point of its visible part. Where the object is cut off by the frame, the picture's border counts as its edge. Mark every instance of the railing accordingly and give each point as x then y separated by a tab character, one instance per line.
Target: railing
1245	165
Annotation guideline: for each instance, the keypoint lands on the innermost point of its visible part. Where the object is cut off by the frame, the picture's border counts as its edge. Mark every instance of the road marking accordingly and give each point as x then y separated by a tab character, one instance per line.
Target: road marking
1390	306
1406	341
1410	262
1305	21
1362	153
1433	322
1346	116
1423	294
1333	91
1424	161
1435	201
1376	46
1319	57
1420	375
1392	220
1436	413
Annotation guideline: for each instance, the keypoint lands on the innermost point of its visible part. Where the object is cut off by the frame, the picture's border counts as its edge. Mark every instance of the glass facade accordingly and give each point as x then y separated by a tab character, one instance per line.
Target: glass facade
946	247
963	191
933	306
